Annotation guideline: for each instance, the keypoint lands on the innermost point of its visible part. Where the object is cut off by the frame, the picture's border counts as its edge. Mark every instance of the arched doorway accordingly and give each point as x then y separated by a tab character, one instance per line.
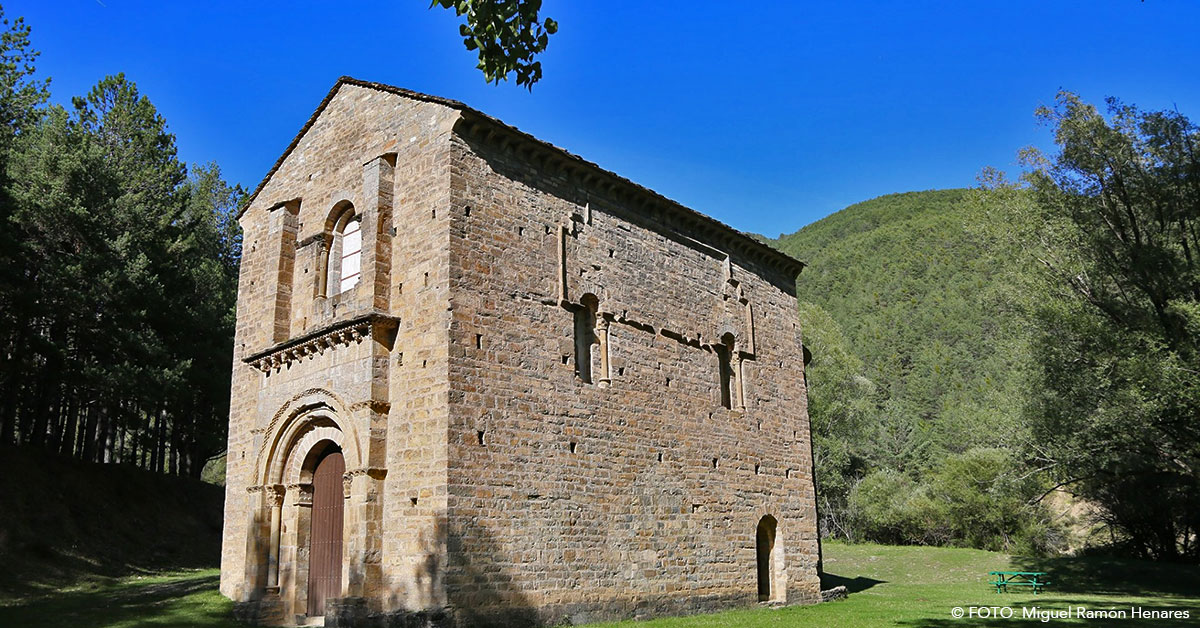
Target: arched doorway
765	546
325	545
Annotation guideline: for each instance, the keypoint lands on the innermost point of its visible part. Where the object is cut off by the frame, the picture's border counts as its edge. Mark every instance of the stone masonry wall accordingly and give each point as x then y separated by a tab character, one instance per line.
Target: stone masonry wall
483	476
387	157
578	502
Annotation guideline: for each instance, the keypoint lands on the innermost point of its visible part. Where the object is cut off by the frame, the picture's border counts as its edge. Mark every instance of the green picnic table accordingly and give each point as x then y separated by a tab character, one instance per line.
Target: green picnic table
1035	580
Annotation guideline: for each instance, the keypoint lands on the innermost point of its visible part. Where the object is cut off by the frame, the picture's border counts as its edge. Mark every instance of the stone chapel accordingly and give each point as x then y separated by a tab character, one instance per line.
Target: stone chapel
479	380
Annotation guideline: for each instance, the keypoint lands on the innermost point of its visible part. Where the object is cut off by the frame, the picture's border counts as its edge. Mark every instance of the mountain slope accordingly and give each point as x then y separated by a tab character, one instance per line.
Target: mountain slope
916	293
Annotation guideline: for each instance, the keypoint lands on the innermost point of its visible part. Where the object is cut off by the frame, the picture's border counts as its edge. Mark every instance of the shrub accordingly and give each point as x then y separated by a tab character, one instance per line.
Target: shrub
980	498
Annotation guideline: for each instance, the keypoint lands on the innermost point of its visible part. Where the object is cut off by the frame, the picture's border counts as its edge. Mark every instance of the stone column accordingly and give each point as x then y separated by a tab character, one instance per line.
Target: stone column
322	277
274	496
739	389
605	379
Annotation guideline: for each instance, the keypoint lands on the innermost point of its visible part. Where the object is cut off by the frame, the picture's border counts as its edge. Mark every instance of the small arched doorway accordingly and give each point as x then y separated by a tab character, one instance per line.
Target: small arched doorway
765	546
325	544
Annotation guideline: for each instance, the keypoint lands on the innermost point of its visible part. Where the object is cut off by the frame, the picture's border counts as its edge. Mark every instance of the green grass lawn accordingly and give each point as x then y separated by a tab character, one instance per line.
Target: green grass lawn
918	587
890	586
180	599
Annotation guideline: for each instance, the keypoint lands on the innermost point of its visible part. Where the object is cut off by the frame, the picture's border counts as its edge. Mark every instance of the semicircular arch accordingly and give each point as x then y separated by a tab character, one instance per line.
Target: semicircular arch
313	414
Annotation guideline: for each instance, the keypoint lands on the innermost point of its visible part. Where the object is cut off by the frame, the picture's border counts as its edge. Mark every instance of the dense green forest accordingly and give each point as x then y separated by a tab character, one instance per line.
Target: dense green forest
920	363
975	350
118	275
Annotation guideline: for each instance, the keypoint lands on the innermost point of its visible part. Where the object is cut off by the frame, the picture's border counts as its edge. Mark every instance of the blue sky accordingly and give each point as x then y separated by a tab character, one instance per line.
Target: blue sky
765	115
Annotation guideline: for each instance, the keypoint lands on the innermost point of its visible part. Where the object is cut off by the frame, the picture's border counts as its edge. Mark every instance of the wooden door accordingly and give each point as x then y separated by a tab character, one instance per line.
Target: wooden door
325	548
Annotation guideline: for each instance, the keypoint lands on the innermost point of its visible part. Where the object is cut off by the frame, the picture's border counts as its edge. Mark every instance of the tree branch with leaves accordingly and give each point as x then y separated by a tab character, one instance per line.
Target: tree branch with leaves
508	35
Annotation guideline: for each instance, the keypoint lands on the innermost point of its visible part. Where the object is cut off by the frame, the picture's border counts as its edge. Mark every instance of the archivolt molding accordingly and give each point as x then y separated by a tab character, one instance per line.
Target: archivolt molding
297	415
313	434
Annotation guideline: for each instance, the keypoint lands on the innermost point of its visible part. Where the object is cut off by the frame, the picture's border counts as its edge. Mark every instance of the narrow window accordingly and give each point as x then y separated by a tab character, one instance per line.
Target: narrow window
351	255
343	261
725	369
585	337
765	546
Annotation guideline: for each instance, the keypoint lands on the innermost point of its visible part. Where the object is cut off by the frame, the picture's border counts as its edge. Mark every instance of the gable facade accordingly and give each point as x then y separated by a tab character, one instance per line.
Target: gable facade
557	396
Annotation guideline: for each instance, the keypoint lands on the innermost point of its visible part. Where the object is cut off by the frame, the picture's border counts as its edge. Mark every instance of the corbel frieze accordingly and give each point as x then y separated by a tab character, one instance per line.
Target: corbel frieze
317	342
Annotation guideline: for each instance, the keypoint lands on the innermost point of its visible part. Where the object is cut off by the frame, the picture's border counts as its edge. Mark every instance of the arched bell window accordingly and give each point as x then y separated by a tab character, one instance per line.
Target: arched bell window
344	262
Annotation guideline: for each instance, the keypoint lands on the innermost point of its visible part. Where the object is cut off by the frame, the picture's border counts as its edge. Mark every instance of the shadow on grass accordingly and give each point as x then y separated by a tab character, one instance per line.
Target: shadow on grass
853	585
1098	575
126	603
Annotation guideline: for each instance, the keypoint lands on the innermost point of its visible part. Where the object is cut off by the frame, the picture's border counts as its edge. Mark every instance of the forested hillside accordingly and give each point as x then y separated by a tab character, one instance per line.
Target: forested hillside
917	291
918	364
118	275
974	350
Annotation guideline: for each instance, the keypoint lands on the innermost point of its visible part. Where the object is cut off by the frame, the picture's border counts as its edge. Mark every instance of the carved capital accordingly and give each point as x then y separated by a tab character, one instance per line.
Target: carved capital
274	495
302	493
375	473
